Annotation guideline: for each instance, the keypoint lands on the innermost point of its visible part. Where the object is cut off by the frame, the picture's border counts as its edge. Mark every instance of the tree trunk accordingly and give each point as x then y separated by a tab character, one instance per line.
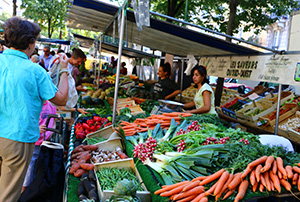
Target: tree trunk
14	7
230	27
231	22
49	27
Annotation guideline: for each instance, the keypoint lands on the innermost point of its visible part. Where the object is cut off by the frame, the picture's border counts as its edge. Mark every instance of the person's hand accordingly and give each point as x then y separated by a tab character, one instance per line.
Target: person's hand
82	111
42	61
42	128
63	61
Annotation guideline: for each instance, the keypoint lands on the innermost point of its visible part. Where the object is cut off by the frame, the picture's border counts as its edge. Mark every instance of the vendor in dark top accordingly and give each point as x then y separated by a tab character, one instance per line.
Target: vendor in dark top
165	87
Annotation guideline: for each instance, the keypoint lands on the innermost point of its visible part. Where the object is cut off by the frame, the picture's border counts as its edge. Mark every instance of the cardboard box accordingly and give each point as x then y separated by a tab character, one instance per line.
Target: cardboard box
124	163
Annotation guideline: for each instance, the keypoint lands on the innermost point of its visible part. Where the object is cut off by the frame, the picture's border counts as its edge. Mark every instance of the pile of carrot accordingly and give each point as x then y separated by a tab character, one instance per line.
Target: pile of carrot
265	173
142	125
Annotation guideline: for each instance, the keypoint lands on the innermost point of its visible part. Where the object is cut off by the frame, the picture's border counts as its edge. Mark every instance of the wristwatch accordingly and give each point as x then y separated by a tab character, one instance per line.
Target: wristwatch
64	70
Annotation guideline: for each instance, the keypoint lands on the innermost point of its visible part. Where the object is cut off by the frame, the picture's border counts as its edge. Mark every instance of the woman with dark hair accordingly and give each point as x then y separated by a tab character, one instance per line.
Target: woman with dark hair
204	99
24	86
165	87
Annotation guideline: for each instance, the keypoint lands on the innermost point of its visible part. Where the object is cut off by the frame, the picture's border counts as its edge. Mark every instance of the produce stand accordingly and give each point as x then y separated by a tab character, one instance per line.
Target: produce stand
163	124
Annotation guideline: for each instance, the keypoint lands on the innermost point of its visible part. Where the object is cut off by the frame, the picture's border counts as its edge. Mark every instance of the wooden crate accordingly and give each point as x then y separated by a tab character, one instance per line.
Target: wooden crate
265	109
111	143
124	163
283	116
130	103
104	132
120	100
134	110
296	115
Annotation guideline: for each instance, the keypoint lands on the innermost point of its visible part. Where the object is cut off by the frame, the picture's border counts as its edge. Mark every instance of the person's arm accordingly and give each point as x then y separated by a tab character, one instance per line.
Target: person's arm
80	110
176	92
207	104
189	104
61	96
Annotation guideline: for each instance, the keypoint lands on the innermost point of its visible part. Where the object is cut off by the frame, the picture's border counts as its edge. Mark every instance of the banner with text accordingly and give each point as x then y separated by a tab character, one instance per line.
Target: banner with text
283	69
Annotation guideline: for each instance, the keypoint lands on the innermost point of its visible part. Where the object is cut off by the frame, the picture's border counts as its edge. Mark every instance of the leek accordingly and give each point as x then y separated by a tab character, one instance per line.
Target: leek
171	130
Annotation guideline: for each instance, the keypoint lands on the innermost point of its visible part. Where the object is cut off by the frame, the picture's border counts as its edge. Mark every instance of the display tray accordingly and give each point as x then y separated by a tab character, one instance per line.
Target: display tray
124	163
284	125
111	143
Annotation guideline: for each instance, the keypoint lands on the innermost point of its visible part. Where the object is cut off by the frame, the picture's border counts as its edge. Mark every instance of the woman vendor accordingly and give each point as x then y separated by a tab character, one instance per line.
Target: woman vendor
204	99
165	87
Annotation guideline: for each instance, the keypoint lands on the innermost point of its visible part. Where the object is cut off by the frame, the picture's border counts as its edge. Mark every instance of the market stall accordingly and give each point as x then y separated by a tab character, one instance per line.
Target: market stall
174	147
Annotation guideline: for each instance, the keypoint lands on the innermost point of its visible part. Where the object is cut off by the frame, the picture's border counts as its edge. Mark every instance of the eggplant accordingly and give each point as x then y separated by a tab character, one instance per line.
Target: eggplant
92	176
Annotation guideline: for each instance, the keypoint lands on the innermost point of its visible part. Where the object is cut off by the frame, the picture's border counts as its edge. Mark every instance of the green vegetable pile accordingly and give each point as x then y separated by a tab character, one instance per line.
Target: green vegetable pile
108	177
148	105
125	115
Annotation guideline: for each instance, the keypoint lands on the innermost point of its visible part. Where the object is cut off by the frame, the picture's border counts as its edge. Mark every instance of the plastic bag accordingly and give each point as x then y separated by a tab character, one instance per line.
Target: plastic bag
54	74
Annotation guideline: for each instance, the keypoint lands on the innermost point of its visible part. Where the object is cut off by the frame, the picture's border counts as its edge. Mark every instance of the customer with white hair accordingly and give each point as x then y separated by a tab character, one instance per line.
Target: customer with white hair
35	58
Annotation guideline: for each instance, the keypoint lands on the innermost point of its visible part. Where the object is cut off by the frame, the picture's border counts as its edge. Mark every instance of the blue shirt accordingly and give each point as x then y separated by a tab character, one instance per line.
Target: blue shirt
24	86
46	61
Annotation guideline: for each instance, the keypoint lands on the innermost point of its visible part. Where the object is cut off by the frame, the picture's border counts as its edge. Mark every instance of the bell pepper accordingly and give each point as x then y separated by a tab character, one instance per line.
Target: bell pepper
85	126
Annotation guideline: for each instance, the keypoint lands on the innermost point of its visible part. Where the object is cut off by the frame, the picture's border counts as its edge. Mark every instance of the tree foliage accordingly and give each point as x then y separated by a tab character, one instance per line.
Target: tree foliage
228	16
49	14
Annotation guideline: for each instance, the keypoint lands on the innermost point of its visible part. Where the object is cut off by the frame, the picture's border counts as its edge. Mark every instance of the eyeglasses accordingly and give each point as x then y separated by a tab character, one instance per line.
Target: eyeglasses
46	50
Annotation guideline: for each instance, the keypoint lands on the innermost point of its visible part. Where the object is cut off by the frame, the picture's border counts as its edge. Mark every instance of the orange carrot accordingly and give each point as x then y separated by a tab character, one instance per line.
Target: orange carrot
257	172
224	177
169	187
279	174
204	199
258	161
193	191
211	190
272	185
268	164
296	169
298	184
274	168
229	193
286	184
252	177
191	185
275	181
87	166
295	179
267	180
263	181
280	167
254	187
199	178
242	190
261	187
212	177
187	199
289	171
198	198
236	181
173	191
224	187
298	164
246	172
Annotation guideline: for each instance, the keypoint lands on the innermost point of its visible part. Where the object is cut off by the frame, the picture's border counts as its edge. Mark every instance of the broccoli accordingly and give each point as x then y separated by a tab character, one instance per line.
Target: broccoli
126	111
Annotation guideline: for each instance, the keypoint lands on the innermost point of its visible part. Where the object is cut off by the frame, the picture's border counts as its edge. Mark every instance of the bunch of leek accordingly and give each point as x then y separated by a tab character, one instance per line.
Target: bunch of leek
175	167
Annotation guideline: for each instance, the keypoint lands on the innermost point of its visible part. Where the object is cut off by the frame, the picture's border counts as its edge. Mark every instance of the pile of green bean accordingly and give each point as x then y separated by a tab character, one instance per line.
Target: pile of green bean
108	177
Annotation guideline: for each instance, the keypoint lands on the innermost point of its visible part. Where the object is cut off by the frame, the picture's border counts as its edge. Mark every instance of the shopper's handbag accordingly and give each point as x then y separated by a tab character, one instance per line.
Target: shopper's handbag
48	184
54	74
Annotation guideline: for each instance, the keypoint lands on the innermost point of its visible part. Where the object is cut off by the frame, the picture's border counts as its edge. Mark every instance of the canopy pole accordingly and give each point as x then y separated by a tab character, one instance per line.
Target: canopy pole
181	79
100	50
119	65
95	56
278	108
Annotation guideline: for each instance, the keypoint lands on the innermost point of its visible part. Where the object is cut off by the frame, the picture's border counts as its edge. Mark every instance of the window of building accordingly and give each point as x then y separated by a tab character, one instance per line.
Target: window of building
276	39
